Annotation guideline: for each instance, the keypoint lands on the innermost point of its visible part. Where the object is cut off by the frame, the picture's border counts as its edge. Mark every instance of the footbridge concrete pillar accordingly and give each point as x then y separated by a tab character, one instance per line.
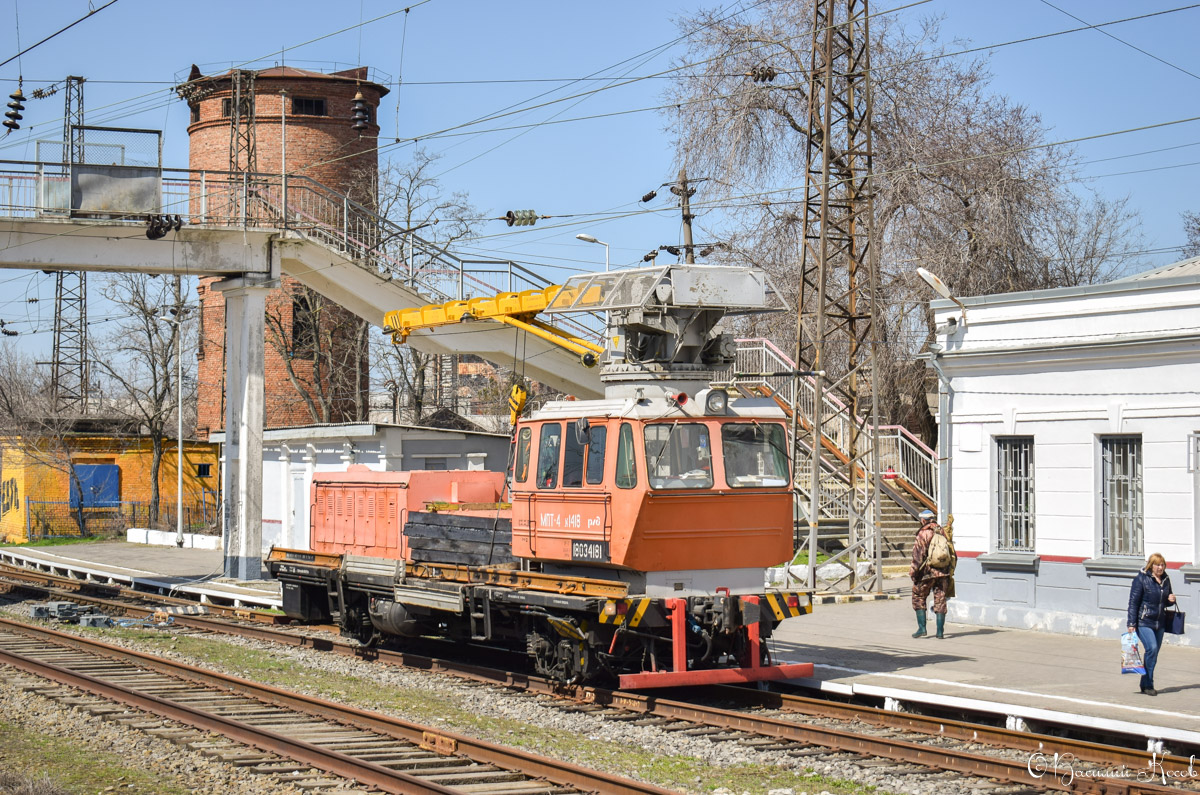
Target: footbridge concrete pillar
241	483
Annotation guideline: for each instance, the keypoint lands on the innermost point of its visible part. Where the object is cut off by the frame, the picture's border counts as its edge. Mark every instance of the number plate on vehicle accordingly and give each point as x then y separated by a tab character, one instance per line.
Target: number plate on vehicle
595	551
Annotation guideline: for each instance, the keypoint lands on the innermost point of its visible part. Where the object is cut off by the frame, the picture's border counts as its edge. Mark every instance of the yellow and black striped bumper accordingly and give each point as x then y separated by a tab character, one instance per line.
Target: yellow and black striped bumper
632	613
778	602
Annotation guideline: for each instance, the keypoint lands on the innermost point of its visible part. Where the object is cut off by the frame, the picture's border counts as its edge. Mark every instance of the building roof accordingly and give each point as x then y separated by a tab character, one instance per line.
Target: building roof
359	74
346	429
1187	267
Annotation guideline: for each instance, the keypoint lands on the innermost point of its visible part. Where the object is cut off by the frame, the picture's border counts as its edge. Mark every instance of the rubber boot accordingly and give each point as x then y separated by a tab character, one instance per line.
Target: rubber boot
921	632
941	624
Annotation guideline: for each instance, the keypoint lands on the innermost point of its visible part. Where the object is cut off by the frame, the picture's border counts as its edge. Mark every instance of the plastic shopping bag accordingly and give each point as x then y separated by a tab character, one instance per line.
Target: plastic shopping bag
1131	655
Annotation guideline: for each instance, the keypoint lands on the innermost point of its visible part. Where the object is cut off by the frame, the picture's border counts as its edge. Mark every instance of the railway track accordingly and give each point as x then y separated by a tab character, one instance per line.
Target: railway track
284	735
907	745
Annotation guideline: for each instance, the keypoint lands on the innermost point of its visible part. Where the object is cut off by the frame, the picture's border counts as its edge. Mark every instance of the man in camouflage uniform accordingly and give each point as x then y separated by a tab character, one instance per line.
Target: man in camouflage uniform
926	579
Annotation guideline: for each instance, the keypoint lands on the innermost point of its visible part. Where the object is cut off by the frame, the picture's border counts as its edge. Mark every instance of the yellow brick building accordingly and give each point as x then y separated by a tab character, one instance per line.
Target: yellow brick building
112	477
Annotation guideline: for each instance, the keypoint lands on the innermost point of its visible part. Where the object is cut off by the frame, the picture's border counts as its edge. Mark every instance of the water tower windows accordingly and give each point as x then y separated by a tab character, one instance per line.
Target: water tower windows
308	106
195	112
227	108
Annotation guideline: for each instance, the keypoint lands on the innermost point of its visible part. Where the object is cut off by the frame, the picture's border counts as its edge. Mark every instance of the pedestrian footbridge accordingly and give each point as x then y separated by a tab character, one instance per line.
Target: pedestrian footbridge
251	229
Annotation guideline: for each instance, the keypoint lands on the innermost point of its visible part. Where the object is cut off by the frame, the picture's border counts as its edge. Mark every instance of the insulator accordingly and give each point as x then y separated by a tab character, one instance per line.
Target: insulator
676	190
520	217
649	196
650	256
672	250
361	116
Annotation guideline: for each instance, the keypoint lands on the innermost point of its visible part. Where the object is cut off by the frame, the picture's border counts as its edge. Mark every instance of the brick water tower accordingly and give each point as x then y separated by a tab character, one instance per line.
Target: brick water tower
244	121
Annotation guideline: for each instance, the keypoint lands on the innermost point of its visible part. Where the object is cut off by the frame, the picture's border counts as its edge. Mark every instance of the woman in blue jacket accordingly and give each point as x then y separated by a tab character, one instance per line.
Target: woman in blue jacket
1148	599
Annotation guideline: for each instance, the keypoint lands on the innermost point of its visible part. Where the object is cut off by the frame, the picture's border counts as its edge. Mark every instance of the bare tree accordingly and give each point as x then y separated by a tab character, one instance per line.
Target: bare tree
1191	228
964	181
137	364
411	197
324	350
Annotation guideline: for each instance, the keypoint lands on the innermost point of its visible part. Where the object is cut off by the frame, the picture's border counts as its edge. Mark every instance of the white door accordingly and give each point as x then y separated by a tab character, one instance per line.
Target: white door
299	517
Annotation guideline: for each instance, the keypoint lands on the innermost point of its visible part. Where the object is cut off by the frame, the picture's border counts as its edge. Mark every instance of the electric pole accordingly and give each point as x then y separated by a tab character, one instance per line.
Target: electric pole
69	366
839	280
685	194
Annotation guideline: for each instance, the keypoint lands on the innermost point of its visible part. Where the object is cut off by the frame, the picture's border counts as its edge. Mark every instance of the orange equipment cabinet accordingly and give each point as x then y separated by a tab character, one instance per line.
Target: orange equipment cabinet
363	512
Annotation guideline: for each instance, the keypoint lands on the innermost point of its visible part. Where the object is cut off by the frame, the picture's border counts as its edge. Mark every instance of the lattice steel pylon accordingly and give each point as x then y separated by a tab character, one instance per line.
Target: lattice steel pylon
839	280
69	373
243	157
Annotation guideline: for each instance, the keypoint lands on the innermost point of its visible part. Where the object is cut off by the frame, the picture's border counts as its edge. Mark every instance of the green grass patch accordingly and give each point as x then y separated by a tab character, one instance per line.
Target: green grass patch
442	710
74	767
55	542
801	558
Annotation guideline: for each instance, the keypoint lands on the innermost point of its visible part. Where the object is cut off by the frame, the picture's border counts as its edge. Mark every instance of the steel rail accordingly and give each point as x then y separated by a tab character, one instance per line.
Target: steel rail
837	739
955	729
331	762
478	750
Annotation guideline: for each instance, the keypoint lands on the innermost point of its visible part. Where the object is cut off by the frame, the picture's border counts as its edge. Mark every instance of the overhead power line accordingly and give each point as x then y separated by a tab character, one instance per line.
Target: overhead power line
89	14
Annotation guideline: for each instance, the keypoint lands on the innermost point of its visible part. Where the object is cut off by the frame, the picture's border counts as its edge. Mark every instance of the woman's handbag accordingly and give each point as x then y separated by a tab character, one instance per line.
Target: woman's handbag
1174	622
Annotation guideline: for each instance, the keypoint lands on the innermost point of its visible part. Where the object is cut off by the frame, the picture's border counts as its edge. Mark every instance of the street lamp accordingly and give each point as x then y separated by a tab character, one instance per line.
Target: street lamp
945	427
589	239
178	323
941	289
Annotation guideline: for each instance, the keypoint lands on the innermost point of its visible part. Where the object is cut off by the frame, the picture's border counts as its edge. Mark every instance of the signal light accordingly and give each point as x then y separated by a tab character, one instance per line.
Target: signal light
521	217
793	600
14	112
361	115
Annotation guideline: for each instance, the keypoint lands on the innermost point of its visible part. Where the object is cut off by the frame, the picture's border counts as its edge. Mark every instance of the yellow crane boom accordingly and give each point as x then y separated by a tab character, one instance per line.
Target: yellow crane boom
519	310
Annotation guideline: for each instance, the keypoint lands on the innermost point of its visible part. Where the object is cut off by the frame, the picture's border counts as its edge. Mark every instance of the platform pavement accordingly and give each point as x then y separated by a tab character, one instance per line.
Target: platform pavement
868	648
196	571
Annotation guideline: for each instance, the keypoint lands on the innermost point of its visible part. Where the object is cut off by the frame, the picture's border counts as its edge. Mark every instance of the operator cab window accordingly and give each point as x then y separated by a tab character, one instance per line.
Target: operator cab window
548	449
524	442
755	454
678	456
626	458
572	469
597	438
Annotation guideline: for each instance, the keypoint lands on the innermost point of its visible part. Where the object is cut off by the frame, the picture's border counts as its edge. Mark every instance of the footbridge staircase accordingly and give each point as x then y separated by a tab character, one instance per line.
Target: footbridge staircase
908	467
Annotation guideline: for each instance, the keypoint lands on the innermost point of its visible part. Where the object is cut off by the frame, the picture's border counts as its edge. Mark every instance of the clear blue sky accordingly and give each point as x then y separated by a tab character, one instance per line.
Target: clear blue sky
1081	84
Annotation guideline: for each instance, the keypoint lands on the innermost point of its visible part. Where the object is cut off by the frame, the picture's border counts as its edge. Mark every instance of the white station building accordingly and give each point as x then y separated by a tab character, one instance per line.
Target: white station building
1073	417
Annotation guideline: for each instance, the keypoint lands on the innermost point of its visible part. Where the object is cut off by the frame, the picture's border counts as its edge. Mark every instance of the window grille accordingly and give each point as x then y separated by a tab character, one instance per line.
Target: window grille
308	106
1015	494
1121	495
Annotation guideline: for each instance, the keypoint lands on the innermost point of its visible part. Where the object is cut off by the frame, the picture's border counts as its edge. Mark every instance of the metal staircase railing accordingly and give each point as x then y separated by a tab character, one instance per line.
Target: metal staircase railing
903	458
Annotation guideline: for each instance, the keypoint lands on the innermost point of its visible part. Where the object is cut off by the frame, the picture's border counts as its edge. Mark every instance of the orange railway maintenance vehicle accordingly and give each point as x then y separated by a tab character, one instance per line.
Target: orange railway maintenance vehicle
636	530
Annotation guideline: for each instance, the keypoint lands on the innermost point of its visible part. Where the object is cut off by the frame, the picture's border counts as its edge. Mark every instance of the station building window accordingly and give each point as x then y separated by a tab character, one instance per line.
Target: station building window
1014	494
1121	506
204	470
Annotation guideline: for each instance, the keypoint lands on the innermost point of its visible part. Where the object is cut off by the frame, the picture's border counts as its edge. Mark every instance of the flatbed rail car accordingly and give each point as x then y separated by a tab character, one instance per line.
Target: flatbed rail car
575	629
